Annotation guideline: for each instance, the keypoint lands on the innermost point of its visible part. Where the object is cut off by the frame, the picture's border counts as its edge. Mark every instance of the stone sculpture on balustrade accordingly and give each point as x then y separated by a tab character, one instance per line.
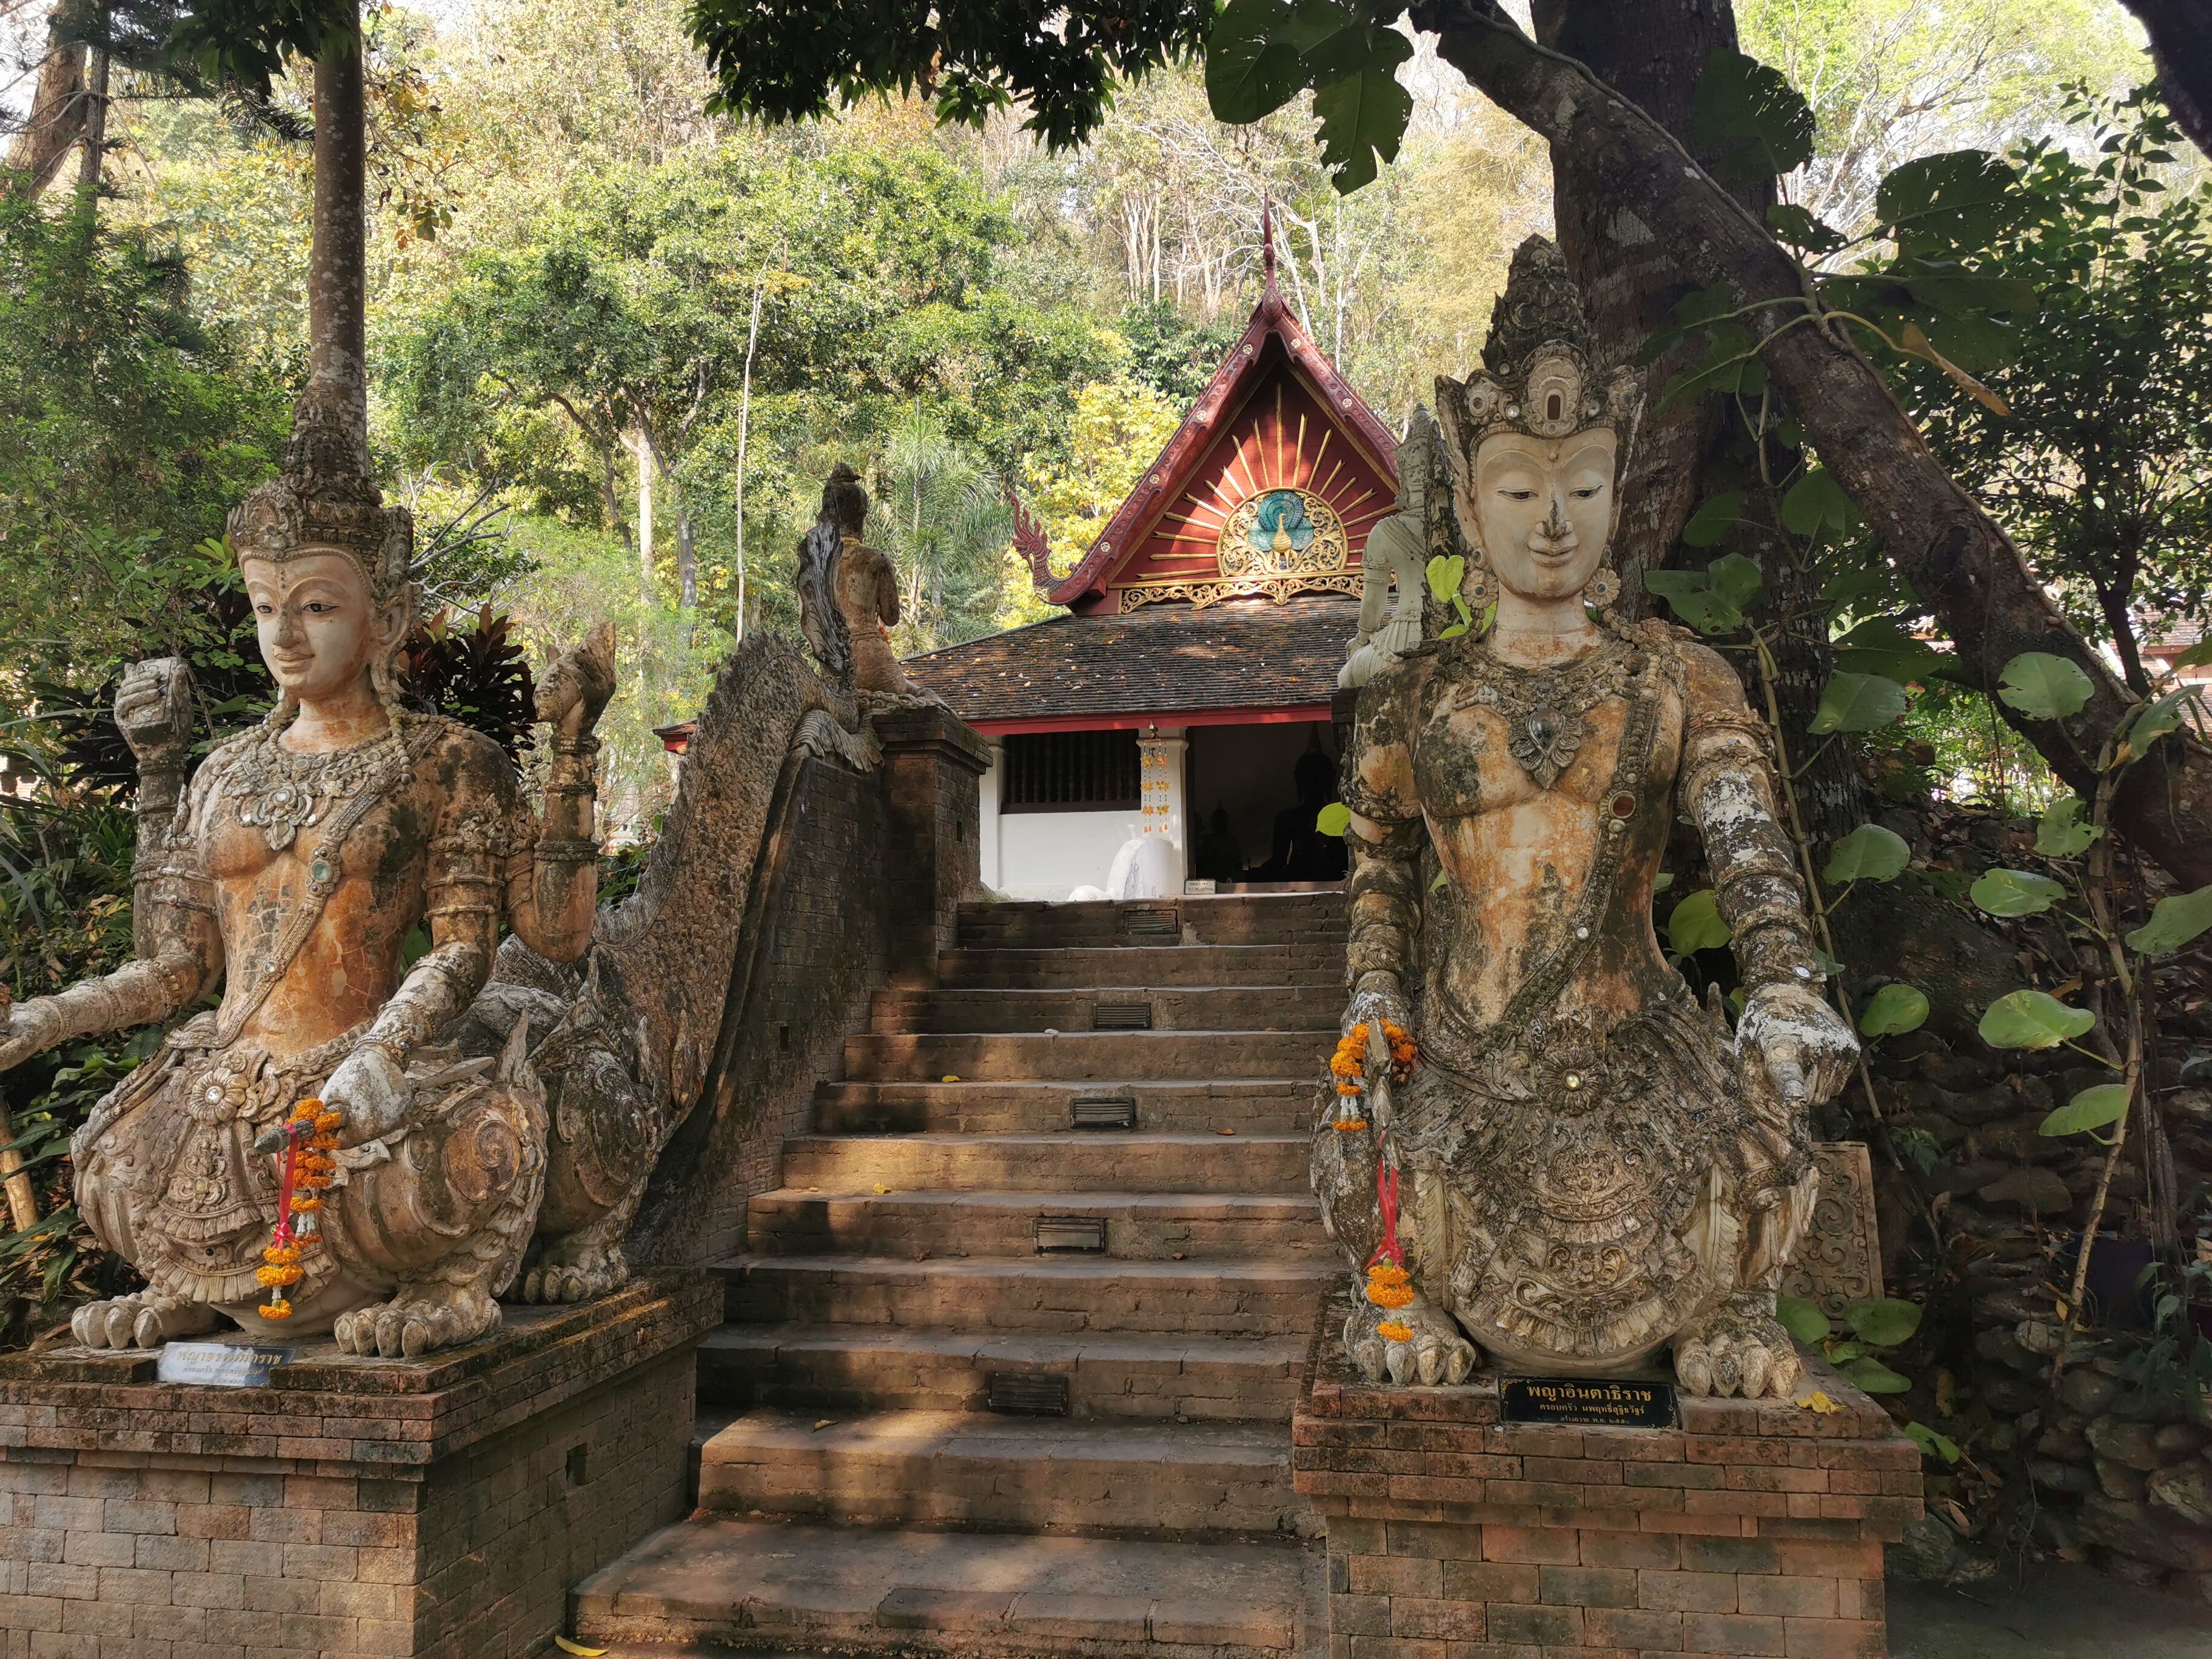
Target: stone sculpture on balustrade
1584	1165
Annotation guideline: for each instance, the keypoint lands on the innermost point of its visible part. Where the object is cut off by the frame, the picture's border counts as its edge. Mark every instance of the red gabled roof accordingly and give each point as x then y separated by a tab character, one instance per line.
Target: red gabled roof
1271	340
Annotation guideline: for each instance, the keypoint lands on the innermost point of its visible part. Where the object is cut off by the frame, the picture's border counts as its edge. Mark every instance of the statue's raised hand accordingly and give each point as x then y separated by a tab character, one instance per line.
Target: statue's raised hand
23	1030
154	707
1801	1044
368	1090
574	691
1379	997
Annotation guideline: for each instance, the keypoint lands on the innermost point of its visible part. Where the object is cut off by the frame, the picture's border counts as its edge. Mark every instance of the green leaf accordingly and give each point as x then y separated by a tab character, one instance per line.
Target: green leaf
1735	581
1893	1011
2000	892
1763	123
1798	227
1802	1320
1875	1377
1869	853
2196	656
1884	1322
2174	922
1730	349
2093	1108
1446	572
1255	56
1884	645
1932	1444
1452	632
2044	687
1333	819
1695	924
2060	833
1662	882
2033	1019
1363	114
1962	198
1858	703
2156	721
1691	594
1712	520
1816	504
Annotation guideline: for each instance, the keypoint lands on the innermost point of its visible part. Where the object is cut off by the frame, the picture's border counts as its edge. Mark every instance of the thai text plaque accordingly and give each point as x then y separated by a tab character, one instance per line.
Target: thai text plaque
1591	1401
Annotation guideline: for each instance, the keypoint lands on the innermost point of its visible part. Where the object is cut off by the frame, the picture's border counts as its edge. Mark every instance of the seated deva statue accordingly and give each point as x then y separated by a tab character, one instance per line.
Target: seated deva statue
1580	1164
290	874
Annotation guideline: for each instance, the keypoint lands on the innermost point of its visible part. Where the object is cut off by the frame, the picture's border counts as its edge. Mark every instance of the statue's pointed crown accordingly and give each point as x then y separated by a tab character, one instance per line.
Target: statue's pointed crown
1541	373
324	499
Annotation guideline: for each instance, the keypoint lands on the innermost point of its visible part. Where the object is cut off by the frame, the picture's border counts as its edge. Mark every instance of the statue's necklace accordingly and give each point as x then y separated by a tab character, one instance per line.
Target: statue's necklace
281	793
1544	708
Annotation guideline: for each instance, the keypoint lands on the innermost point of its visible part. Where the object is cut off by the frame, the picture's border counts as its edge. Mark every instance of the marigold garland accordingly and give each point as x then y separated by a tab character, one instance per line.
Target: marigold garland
1393	1330
1348	1066
310	1138
1388	1285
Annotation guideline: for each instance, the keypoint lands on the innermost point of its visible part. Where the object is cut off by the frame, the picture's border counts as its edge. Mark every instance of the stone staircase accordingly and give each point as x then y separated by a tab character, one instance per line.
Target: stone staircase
995	1384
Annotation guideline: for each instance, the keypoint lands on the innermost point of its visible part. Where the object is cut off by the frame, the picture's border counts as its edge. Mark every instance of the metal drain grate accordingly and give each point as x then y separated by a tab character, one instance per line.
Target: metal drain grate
1026	1393
1070	1234
1102	1112
1151	921
1121	1016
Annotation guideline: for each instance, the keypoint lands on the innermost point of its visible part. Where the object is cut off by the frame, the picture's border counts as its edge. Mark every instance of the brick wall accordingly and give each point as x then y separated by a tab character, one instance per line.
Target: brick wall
348	1511
1756	1527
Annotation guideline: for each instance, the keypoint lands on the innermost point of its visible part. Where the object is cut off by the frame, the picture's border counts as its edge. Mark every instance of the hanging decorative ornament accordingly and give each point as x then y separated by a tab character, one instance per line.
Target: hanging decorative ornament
1603	589
1477	587
308	1138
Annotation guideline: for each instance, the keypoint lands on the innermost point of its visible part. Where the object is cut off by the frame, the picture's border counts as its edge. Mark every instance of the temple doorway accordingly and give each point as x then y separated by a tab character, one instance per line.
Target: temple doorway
1251	794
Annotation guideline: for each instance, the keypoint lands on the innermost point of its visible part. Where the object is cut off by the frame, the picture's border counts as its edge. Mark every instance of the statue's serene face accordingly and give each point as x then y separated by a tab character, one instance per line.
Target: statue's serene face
1542	511
317	621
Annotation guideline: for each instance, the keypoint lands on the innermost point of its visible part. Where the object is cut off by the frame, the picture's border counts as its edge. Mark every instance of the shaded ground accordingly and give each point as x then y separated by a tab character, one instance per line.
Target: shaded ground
2056	1612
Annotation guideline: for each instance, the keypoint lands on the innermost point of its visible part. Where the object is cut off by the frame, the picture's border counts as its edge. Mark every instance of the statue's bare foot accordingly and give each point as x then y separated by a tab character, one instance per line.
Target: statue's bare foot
1435	1351
145	1319
1741	1350
576	1268
419	1318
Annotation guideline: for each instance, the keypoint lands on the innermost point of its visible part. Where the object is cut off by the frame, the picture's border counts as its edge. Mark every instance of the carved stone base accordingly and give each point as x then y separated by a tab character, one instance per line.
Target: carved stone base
1752	1528
353	1507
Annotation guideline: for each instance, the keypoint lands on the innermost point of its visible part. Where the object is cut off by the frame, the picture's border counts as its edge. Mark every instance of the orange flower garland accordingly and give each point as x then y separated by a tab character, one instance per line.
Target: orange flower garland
310	1138
1394	1330
1348	1066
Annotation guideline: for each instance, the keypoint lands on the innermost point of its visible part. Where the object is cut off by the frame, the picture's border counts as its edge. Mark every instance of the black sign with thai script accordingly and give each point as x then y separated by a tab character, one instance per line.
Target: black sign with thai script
1592	1401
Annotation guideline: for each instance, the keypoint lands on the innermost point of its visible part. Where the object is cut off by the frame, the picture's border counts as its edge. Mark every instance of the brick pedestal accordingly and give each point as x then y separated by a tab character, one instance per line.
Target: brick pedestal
1753	1528
932	763
353	1507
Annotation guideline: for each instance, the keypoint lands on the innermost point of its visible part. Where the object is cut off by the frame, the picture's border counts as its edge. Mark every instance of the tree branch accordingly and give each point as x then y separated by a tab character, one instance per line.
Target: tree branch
1962	566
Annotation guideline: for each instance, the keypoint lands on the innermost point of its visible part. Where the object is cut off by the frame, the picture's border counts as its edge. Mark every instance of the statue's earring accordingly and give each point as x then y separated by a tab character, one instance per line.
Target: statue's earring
1601	590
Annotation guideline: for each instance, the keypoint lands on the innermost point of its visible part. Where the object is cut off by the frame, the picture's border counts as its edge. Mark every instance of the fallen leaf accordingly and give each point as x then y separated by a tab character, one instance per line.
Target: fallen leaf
883	1189
1225	1132
1818	1402
950	1076
826	1423
566	1646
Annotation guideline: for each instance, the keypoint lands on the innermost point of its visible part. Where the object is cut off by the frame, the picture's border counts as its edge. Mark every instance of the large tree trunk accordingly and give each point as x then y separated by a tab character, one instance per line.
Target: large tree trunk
1959	562
2181	45
56	118
337	291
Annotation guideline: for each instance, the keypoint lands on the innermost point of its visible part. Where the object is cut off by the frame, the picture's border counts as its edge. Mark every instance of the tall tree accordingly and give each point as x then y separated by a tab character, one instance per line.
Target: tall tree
779	59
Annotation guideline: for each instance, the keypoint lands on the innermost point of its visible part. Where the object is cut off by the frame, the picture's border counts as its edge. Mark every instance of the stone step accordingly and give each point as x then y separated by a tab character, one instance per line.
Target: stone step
870	1367
972	1469
1059	1294
1246	1008
1026	1107
715	1583
1080	967
1086	1056
1145	1161
1139	1227
1302	918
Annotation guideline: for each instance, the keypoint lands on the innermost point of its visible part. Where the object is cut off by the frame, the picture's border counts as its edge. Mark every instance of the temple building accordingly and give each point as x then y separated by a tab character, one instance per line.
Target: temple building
1185	693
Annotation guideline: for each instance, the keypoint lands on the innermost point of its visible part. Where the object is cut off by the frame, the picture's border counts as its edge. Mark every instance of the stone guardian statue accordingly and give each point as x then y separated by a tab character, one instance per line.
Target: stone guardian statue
1584	1165
1396	556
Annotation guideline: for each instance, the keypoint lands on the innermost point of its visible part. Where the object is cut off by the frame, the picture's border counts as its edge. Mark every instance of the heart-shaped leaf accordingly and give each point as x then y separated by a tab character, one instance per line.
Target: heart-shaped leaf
1362	114
1753	114
1446	572
1933	1443
2033	1019
2093	1108
1333	819
1858	703
1816	504
1802	1320
1711	521
1960	198
2014	893
2044	687
1875	1377
1869	853
1884	1322
1798	227
1884	645
2174	922
2156	721
1691	593
2060	833
1736	580
1893	1011
1695	924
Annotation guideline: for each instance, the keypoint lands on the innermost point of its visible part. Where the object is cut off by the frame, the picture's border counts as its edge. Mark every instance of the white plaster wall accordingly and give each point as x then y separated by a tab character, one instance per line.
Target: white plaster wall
987	816
1046	855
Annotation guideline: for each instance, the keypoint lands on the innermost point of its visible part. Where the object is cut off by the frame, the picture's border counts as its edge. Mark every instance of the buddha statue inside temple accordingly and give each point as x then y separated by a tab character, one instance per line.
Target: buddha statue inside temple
1543	1146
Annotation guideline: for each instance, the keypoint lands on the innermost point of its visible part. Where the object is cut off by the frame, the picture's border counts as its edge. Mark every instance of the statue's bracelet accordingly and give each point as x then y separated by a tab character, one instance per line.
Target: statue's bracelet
567	849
